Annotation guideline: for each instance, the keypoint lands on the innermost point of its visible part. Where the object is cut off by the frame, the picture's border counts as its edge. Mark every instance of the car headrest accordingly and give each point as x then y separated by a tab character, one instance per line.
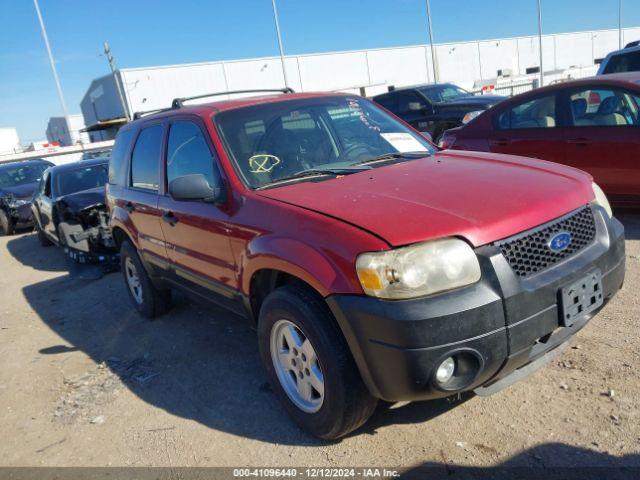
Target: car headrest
579	107
609	105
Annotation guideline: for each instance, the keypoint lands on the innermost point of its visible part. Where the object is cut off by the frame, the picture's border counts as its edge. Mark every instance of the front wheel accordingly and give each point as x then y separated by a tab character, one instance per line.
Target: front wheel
42	237
6	225
309	364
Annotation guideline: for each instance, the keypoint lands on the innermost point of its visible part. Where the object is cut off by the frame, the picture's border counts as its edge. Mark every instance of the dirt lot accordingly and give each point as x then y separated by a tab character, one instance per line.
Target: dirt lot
85	381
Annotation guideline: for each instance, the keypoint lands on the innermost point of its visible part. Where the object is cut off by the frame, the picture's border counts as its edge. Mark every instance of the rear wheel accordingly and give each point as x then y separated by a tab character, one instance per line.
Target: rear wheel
147	299
309	364
6	225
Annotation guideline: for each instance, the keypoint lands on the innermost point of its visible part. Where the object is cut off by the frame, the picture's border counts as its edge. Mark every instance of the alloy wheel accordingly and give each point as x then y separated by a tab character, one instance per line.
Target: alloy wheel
297	366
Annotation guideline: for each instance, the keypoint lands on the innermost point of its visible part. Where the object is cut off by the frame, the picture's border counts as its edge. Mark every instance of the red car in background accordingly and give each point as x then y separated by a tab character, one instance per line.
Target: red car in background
592	124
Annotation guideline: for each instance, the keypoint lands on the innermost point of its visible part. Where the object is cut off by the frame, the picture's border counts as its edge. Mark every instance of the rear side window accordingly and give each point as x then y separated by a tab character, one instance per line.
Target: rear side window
624	62
118	161
390	103
537	113
405	101
145	158
592	107
188	153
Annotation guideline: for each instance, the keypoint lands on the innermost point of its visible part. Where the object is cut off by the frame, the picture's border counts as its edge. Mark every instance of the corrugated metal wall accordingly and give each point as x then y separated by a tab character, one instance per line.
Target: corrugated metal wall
462	63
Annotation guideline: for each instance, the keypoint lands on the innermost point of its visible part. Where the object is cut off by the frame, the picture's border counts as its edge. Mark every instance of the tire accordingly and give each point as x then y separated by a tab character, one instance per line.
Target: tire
42	238
6	225
148	300
346	403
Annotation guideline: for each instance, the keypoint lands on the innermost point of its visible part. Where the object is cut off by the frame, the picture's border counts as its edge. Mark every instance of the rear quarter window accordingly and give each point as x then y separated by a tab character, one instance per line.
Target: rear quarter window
118	161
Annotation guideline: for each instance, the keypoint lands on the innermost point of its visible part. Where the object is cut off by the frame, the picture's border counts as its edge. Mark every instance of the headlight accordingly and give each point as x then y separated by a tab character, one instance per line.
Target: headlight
601	199
418	270
17	202
470	116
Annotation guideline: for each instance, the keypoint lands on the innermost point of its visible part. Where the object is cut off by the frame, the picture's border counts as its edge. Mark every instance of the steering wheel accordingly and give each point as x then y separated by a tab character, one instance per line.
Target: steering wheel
364	151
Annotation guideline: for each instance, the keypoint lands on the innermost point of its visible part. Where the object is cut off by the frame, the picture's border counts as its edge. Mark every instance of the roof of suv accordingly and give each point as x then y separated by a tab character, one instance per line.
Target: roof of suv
231	104
79	164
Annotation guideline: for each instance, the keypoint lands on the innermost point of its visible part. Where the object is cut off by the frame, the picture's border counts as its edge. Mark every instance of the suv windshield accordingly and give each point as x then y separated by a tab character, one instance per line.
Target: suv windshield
80	179
443	93
272	142
22	175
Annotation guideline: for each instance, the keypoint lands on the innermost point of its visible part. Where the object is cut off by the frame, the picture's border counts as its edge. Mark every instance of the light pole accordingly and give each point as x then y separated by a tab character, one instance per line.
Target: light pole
620	24
434	60
275	17
540	43
52	63
107	52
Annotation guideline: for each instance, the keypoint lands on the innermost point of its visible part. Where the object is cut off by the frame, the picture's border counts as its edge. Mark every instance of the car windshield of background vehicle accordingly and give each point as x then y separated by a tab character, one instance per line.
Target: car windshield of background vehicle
604	107
624	62
80	179
12	176
443	93
275	141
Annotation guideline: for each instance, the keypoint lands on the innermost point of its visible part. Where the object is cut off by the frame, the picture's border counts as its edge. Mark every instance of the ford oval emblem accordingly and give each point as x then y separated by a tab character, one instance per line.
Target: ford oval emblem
560	241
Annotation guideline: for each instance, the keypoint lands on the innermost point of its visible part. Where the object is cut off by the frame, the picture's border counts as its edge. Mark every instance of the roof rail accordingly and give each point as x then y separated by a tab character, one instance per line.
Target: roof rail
138	115
179	102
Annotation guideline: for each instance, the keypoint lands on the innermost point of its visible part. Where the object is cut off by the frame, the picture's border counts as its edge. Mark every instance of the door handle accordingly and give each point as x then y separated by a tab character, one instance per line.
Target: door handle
579	141
129	207
170	218
500	142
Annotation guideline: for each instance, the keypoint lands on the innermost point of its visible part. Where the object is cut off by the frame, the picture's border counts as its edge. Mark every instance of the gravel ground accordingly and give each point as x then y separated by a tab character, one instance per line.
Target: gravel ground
85	381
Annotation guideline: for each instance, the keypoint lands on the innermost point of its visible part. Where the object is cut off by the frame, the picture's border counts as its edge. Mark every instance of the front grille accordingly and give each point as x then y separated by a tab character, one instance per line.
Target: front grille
529	252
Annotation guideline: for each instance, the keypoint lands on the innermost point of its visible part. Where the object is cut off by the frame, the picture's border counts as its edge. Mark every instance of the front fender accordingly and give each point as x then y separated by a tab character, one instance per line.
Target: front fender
325	274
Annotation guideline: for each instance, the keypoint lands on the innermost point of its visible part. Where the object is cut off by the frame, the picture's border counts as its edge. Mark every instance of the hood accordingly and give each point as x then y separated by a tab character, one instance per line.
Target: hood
87	198
20	191
482	197
476	101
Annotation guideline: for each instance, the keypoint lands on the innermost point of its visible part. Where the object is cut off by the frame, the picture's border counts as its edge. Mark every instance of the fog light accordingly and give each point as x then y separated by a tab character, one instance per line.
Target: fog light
445	370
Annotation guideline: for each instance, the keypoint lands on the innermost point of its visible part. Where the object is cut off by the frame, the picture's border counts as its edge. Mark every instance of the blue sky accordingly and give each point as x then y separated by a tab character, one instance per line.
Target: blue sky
159	32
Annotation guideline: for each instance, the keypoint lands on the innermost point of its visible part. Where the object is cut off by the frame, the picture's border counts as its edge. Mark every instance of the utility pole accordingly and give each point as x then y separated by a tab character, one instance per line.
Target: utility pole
540	43
620	25
434	59
112	66
52	63
275	17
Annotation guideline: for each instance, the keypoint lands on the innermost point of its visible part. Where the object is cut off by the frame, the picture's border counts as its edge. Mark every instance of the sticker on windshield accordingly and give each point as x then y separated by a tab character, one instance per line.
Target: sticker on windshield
404	142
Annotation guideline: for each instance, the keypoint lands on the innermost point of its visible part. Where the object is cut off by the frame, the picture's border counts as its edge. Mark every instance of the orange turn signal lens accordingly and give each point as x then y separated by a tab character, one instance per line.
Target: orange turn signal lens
369	279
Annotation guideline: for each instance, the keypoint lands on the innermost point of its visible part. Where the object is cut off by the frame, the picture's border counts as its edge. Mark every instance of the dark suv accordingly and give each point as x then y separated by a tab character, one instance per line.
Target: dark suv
435	108
373	266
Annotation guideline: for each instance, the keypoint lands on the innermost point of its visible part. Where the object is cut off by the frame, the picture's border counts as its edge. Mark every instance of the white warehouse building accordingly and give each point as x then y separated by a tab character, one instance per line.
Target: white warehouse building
468	64
67	131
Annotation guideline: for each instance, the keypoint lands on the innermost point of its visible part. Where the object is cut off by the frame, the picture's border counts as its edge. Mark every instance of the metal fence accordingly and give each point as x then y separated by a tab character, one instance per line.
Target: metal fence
508	90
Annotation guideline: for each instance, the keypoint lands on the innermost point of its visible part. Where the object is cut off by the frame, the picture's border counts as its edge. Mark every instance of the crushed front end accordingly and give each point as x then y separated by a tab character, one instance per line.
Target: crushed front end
85	234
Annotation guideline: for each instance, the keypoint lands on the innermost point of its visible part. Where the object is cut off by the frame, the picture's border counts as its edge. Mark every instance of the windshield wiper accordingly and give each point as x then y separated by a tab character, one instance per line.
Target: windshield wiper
315	172
393	156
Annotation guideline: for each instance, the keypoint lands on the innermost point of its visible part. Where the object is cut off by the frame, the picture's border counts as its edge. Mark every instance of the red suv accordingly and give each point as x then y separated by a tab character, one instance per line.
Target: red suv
373	266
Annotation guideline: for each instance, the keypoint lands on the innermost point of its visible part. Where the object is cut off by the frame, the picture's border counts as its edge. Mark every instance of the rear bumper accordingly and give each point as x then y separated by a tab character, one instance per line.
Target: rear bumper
503	323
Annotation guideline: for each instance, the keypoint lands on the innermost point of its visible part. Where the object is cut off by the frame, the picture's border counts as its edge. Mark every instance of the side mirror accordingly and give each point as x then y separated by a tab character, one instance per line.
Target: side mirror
416	106
196	187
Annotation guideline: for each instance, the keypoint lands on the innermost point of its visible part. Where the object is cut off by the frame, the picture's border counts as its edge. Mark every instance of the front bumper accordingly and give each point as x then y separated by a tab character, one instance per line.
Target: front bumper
503	322
22	216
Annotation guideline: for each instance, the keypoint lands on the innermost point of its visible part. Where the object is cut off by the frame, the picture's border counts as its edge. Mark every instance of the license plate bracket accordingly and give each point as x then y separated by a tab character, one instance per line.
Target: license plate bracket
581	298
